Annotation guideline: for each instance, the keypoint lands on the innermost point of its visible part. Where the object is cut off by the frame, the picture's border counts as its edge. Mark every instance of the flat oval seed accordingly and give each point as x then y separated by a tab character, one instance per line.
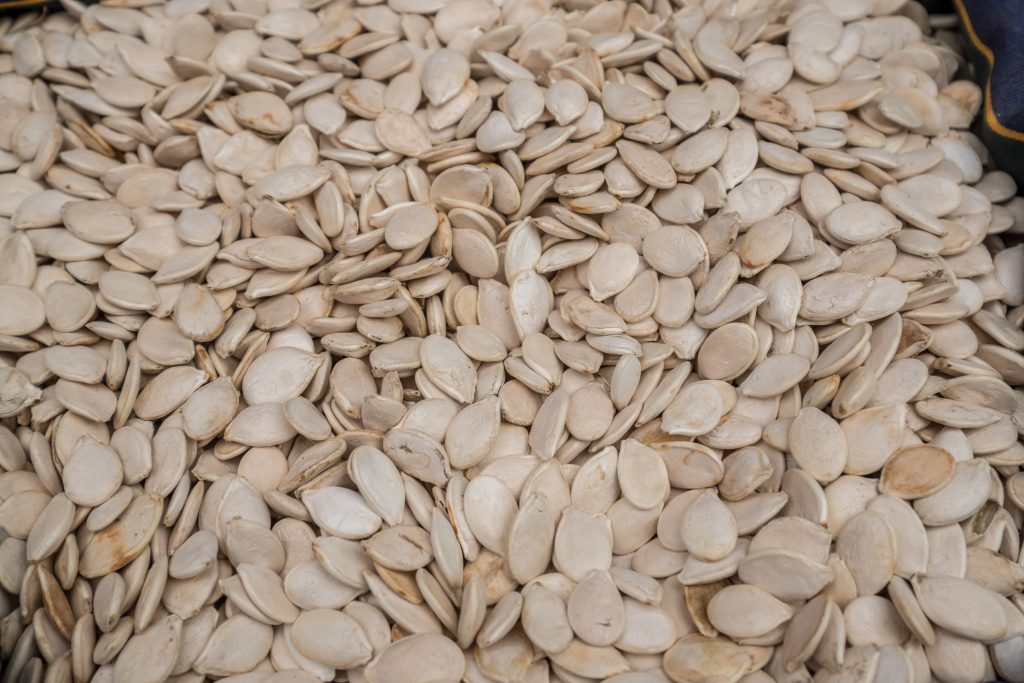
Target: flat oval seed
868	545
331	638
746	611
385	374
93	474
977	614
341	512
916	471
708	528
642	475
50	528
818	444
266	590
596	611
25	312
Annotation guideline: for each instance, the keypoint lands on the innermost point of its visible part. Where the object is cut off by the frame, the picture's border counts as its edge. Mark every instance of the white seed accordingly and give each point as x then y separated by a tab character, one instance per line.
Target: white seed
438	341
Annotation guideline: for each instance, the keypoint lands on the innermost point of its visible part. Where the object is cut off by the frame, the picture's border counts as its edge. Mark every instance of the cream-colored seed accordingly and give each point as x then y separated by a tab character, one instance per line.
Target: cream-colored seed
443	340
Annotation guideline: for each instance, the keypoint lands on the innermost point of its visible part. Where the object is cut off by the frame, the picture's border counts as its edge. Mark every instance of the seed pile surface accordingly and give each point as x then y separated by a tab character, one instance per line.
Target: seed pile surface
426	341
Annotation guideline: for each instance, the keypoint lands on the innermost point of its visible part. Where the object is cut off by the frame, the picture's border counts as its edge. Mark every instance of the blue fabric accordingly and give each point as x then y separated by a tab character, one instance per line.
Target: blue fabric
993	32
999	24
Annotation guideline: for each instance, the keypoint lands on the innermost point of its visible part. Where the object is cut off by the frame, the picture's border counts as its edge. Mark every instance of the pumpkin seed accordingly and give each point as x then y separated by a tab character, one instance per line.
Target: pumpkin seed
357	343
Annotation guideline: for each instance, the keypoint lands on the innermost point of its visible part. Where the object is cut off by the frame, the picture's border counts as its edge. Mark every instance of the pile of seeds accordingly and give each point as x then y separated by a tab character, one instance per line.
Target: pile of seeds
426	341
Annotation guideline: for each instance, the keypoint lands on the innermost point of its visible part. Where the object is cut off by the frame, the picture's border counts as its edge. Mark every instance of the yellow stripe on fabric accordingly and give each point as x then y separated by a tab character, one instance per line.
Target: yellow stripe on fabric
990	116
15	4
